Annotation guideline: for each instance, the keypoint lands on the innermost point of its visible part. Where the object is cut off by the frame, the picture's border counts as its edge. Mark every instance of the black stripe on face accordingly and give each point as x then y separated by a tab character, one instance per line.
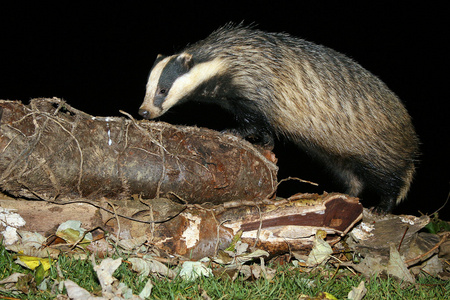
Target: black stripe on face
171	72
159	58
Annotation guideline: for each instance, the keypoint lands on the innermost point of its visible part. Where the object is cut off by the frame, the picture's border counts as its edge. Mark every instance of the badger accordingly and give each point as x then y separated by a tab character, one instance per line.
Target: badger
280	86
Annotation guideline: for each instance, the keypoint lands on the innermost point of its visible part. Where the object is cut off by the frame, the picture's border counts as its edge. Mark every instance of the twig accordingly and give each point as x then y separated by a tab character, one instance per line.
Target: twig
286	179
259	228
444	237
404	234
107	210
445	203
118	222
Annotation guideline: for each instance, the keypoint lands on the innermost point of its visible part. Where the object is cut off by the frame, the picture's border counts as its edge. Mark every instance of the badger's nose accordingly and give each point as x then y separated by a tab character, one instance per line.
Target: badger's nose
144	113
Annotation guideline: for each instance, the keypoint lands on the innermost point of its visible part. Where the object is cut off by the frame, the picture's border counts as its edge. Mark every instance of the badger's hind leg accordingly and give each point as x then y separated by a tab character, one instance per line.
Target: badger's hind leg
359	179
355	186
387	187
395	188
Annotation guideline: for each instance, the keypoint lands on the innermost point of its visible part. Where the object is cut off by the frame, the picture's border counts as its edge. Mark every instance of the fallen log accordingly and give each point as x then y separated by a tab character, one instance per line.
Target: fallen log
50	150
196	231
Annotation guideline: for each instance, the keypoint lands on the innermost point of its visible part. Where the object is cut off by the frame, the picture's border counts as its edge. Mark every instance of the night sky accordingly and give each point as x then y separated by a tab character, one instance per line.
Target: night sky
97	58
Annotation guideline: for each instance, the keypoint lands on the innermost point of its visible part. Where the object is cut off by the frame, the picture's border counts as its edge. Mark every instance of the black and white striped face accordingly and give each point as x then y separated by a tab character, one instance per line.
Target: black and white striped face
173	79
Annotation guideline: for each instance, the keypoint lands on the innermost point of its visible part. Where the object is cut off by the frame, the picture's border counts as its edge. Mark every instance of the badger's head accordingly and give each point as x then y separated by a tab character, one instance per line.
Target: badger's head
173	79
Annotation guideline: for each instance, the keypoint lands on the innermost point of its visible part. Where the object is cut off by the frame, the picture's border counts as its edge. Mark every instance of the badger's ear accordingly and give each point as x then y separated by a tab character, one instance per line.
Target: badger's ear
159	58
186	60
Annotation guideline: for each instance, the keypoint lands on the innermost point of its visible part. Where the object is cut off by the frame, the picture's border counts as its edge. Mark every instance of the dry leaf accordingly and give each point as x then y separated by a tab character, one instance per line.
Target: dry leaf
71	232
32	262
357	293
11	221
147	290
104	273
145	266
397	267
190	270
75	292
30	244
320	252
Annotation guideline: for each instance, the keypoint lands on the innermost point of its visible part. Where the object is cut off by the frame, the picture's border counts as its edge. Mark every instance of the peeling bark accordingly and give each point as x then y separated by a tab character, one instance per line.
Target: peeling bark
196	231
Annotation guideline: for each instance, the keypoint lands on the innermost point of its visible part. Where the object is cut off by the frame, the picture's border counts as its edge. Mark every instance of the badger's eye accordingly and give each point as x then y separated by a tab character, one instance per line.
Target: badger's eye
162	91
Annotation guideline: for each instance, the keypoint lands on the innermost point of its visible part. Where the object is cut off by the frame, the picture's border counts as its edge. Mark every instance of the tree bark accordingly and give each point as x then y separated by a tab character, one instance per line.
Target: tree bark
49	150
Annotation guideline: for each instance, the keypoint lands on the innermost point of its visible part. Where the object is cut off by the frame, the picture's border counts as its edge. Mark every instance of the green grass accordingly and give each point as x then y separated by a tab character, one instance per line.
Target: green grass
287	284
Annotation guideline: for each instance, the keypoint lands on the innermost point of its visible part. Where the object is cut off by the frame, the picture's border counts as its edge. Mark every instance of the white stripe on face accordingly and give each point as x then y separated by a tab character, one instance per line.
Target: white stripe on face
152	85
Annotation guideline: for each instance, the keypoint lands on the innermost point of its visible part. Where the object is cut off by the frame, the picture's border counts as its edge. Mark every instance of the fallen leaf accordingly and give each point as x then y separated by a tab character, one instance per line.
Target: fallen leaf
191	270
357	293
320	252
30	243
11	221
432	266
100	248
224	258
256	271
320	296
9	283
40	273
397	267
71	232
75	292
145	266
111	288
9	235
232	258
147	290
104	273
250	256
241	248
325	295
369	266
12	278
32	262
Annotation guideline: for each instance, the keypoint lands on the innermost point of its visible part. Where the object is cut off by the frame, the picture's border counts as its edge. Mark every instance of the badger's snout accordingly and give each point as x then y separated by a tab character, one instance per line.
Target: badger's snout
150	112
144	113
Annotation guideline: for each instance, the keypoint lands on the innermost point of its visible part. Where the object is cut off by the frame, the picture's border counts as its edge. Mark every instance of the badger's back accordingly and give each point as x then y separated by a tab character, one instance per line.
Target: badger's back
320	99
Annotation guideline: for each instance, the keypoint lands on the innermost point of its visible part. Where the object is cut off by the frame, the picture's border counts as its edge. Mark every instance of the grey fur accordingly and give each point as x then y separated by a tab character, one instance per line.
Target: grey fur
320	99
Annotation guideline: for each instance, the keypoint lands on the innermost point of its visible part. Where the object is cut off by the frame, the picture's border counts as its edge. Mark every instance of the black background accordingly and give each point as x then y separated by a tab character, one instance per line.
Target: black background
97	57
